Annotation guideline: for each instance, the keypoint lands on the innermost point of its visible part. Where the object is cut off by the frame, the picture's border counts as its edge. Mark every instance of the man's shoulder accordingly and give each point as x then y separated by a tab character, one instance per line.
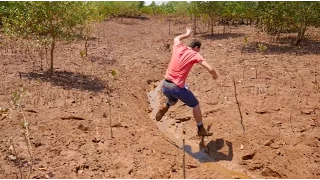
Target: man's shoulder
179	45
197	56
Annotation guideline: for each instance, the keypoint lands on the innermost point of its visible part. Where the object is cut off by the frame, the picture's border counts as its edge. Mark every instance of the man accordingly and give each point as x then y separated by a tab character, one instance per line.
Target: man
174	88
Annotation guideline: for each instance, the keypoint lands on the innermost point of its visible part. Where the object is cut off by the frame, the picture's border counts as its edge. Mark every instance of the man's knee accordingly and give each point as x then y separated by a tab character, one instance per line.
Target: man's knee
196	105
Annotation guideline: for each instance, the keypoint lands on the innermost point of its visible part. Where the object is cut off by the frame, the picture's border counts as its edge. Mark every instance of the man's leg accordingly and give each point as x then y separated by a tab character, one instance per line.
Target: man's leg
163	109
198	117
167	90
197	114
188	98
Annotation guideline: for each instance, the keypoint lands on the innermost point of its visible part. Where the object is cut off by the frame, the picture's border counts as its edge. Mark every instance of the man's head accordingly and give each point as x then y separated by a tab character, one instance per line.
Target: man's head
195	45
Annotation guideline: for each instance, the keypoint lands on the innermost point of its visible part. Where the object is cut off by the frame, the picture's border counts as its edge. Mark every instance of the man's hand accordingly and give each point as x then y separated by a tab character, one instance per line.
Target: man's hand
189	31
182	36
214	74
209	69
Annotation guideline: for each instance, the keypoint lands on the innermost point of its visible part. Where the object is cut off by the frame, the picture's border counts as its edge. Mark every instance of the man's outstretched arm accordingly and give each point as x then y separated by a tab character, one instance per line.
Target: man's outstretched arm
209	69
182	36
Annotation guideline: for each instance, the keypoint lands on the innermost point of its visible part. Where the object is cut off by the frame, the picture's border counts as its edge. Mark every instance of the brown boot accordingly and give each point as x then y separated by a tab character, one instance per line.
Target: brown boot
162	110
203	132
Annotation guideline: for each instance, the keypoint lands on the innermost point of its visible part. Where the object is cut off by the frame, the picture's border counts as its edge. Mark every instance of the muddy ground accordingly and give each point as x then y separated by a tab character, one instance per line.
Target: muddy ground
276	136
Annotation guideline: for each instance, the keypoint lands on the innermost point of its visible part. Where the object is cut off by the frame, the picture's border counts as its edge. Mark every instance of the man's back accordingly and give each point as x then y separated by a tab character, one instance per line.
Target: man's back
183	58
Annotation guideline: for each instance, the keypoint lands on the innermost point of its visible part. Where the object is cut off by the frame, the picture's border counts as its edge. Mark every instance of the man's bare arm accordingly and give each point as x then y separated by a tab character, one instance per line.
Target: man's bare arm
182	36
209	69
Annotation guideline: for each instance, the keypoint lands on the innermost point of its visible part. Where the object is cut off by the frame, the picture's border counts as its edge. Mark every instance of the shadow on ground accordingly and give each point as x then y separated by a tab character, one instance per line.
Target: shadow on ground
210	152
285	46
70	80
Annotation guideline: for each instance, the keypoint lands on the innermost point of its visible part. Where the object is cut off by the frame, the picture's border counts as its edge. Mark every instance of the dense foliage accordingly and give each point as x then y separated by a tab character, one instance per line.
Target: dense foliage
47	21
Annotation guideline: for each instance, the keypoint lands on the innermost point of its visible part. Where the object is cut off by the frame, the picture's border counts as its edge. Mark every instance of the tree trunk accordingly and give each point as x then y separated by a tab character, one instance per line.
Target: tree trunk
195	25
86	46
169	26
51	54
242	21
41	59
300	35
212	24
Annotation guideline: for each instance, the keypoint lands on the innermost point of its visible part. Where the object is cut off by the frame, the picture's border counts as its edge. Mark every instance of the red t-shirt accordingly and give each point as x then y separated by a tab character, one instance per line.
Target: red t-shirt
183	58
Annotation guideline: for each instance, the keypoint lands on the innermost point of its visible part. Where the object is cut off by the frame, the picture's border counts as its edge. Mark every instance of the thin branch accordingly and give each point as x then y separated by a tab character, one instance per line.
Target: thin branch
15	153
184	155
235	94
110	119
27	139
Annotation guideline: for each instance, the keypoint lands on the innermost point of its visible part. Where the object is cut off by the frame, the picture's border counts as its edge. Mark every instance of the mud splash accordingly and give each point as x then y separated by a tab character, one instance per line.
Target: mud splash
191	148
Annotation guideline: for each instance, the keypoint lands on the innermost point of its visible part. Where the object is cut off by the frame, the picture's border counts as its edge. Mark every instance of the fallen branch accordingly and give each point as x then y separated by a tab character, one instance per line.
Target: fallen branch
235	94
72	117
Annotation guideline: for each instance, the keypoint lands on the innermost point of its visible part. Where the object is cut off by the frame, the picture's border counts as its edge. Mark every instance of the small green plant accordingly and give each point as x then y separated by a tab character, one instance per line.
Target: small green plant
16	104
245	41
16	98
82	53
113	73
262	47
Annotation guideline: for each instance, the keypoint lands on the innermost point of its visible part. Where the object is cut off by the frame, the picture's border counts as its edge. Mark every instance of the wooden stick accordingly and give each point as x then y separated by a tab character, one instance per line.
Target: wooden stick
235	94
110	120
256	71
184	157
243	75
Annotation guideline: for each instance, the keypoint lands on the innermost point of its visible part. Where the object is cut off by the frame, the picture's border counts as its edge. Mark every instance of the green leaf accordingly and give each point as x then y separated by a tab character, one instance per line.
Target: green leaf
25	124
114	73
82	53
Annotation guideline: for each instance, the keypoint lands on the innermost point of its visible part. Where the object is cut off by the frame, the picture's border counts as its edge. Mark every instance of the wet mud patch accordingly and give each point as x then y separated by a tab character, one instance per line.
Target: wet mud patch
208	155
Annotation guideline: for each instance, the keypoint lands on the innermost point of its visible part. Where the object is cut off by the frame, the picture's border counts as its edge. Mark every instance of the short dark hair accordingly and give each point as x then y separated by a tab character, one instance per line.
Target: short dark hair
195	43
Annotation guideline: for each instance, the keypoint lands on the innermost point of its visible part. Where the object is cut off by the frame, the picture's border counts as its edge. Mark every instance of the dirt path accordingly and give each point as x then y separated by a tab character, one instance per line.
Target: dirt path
277	90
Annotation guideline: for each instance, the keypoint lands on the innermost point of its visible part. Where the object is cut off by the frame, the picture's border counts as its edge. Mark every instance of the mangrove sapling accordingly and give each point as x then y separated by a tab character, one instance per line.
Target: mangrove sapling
16	105
113	73
245	43
15	157
262	48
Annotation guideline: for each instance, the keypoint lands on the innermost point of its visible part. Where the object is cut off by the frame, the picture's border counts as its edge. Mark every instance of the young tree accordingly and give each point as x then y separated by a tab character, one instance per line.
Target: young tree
289	16
47	21
141	4
208	9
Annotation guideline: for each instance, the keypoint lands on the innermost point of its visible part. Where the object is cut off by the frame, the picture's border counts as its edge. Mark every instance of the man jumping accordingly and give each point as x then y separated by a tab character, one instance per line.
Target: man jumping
174	88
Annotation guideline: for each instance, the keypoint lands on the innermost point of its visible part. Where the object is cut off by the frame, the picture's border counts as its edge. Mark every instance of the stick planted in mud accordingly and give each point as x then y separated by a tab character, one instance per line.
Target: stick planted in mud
110	120
113	73
184	155
235	94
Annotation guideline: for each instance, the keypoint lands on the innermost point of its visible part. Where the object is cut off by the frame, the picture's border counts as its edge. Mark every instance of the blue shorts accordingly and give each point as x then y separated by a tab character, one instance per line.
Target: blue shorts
175	93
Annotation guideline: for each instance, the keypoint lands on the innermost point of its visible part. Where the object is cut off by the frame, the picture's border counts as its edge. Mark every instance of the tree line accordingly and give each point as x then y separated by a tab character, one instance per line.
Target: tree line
49	21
